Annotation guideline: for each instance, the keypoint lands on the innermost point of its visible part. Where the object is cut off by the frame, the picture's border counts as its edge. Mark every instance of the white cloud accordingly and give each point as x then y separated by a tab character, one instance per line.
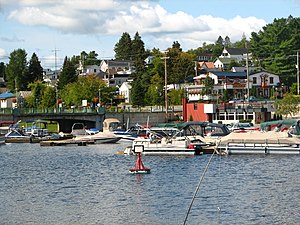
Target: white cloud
2	52
113	17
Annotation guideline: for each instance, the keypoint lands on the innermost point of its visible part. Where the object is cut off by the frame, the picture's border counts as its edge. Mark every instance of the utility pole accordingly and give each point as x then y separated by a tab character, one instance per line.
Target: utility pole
298	89
247	71
166	84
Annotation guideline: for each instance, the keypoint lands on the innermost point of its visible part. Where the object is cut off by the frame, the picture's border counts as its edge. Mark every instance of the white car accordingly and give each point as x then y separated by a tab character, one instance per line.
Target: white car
236	100
242	127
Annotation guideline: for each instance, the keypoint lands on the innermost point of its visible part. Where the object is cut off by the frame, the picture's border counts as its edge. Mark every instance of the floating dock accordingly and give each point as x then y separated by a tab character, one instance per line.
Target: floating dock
66	142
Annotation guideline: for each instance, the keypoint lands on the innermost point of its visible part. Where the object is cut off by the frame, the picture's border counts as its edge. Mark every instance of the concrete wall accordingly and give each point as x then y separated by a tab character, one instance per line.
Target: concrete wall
141	118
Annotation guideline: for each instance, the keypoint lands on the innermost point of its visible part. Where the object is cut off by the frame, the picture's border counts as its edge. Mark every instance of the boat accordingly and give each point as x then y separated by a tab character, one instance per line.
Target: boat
2	140
5	125
106	136
258	142
38	128
277	125
191	138
17	135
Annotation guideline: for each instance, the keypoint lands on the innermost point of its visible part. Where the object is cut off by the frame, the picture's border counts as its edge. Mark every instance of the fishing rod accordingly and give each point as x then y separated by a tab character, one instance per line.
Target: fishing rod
198	187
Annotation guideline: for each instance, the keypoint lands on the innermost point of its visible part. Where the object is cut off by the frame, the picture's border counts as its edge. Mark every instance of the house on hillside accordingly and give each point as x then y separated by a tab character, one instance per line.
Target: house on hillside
262	85
207	66
7	100
124	91
238	54
229	55
222	63
116	71
50	76
89	70
205	57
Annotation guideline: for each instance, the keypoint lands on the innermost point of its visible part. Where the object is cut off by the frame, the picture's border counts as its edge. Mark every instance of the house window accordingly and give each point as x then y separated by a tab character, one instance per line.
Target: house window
254	80
195	106
271	80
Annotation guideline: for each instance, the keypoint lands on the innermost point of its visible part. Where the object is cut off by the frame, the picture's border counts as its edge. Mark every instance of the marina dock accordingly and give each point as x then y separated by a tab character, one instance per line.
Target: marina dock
66	142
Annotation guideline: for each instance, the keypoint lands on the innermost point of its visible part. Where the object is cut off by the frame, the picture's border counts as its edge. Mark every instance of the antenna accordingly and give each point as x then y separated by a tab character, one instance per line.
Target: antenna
56	75
55	60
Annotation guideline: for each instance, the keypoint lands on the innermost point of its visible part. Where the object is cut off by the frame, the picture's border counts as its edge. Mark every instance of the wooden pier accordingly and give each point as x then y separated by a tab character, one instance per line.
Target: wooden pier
66	142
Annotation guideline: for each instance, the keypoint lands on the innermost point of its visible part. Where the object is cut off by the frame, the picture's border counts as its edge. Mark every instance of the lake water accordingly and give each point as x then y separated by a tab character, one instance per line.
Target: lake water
91	185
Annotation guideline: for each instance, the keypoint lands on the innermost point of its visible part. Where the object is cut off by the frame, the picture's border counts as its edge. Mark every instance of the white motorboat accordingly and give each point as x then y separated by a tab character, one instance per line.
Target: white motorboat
178	146
257	142
106	136
191	138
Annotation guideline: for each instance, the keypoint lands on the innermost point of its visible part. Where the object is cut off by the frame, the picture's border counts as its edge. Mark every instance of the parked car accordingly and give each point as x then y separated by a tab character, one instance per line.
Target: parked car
236	100
251	99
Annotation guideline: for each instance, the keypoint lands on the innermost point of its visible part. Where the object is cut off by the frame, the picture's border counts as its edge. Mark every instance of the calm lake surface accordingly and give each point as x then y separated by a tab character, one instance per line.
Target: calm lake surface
91	185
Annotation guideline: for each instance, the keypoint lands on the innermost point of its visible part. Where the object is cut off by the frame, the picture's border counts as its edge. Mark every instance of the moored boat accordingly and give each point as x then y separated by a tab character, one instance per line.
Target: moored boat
105	136
256	142
191	138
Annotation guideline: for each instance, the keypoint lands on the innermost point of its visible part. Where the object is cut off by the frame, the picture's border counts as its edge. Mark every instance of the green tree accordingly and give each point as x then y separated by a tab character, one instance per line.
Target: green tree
67	75
227	42
184	67
176	96
2	70
288	106
16	70
37	89
85	88
137	92
48	97
275	46
208	85
138	48
35	70
154	95
123	47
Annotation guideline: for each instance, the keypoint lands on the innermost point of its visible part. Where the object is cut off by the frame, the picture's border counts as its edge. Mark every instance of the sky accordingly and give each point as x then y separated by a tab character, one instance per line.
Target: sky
54	29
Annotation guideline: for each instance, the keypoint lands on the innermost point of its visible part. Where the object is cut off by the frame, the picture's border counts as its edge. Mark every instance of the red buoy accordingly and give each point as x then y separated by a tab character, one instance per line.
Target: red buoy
139	166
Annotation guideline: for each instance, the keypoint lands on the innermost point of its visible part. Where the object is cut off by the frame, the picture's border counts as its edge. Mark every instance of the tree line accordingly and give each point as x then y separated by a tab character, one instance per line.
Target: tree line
272	49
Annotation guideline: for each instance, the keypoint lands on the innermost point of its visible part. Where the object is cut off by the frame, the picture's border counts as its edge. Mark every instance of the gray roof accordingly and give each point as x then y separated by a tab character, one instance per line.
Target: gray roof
237	51
231	74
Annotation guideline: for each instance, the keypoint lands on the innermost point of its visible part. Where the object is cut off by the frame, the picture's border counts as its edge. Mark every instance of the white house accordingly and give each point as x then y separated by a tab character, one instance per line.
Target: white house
264	82
88	70
124	90
234	53
116	71
7	100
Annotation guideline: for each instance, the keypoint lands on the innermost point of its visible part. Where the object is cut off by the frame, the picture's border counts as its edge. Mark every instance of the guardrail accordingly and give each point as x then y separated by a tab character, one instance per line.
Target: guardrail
98	110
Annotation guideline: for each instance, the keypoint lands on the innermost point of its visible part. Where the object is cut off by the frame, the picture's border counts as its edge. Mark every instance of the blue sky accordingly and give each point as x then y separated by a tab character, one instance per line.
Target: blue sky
73	26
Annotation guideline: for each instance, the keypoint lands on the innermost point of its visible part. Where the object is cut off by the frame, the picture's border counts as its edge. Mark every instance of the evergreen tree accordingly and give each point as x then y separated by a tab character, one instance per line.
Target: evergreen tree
275	46
123	48
35	70
177	46
2	70
17	70
227	42
137	92
67	75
